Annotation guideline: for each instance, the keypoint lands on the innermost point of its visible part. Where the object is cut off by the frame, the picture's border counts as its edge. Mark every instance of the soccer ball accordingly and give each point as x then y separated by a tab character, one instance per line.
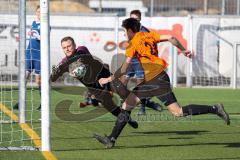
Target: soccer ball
79	71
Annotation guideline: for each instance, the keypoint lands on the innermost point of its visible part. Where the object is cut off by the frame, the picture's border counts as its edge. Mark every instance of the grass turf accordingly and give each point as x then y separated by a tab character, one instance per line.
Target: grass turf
160	136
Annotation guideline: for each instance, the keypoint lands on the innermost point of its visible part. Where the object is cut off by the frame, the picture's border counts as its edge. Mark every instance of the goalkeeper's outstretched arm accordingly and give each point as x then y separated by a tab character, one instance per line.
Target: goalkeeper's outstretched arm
57	71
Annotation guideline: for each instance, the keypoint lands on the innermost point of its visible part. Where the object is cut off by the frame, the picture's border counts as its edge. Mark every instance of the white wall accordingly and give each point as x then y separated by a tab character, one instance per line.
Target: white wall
94	32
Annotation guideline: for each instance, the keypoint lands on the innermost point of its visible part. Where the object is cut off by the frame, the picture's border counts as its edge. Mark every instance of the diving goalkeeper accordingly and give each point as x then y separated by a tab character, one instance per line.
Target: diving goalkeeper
80	64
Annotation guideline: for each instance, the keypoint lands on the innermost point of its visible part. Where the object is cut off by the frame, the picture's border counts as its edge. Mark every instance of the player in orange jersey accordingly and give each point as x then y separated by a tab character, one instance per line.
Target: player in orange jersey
156	81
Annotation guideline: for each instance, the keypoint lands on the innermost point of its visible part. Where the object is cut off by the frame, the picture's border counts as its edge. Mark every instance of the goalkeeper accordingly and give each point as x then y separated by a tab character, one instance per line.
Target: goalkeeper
80	64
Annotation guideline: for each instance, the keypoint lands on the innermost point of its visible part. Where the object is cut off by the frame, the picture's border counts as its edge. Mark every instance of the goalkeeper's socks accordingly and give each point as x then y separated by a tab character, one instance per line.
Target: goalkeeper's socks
143	100
194	109
121	121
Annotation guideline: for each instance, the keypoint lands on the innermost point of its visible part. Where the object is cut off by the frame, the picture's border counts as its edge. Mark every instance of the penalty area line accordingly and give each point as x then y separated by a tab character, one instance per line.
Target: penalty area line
48	155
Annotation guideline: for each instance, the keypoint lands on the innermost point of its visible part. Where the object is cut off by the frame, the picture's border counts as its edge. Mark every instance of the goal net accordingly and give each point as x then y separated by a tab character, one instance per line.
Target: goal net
214	45
13	135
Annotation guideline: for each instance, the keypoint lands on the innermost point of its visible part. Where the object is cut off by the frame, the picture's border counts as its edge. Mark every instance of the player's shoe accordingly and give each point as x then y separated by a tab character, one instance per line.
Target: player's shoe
133	123
222	113
15	107
83	104
107	142
142	110
154	106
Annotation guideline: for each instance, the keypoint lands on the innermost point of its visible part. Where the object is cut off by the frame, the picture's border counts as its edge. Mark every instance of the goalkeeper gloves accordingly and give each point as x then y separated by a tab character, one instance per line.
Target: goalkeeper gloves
55	70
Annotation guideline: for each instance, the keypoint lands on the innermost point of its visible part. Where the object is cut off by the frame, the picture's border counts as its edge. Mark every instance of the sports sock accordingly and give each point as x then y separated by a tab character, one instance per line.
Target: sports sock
144	101
94	102
194	109
121	121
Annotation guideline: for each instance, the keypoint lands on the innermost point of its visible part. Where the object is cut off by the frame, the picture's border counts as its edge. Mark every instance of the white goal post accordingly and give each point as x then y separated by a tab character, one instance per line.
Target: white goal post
20	119
236	65
45	75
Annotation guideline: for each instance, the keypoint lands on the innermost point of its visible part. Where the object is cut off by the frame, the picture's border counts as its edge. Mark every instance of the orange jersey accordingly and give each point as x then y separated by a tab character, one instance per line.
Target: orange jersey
144	47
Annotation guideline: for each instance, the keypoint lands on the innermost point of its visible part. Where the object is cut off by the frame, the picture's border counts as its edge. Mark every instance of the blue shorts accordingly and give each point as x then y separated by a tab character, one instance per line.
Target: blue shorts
135	69
32	60
33	64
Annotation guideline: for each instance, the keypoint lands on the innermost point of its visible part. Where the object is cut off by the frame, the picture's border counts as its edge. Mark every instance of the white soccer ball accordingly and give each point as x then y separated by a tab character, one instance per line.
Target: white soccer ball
79	71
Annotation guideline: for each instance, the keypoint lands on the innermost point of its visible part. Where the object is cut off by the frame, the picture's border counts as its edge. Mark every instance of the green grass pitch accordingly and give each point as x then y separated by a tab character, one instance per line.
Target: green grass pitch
159	136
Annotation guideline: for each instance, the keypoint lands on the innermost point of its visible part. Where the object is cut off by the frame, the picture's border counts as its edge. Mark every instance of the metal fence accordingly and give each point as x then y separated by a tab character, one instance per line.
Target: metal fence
123	7
185	7
165	7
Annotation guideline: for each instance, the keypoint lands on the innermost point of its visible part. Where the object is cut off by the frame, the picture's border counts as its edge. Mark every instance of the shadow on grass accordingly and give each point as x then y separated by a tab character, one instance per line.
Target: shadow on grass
141	135
232	158
173	132
231	145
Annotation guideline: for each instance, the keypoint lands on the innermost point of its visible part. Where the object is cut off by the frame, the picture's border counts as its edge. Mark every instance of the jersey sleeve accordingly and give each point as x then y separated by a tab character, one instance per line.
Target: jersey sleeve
130	51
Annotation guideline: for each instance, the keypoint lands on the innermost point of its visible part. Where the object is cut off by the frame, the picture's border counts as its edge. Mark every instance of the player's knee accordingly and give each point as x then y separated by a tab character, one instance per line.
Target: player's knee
175	109
177	113
38	80
127	106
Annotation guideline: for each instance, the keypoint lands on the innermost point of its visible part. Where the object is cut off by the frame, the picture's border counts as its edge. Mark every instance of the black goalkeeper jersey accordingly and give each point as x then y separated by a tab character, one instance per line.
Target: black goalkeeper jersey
94	68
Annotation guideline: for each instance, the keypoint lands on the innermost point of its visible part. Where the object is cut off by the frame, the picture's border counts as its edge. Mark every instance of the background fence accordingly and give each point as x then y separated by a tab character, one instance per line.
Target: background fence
123	7
213	38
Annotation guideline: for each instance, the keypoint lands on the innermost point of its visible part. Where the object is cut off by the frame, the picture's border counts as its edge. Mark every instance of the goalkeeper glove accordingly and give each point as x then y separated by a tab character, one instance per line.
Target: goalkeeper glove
55	70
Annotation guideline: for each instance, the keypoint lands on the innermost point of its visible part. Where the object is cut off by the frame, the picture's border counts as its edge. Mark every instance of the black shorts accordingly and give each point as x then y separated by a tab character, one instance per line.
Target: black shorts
159	87
118	87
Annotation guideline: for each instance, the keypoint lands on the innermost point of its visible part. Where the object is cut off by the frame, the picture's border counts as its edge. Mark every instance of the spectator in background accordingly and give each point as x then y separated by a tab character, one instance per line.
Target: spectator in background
32	60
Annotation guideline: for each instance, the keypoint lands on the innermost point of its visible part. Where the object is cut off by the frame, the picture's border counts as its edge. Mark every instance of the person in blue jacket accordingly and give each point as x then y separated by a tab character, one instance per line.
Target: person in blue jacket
32	58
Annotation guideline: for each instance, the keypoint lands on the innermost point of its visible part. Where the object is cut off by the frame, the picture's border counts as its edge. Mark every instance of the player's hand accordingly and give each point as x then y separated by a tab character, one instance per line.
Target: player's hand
30	33
103	81
187	53
54	69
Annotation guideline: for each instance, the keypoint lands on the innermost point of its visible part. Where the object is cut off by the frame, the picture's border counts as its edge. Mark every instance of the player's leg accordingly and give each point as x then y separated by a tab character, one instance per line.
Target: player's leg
196	109
121	121
106	98
137	72
27	75
28	68
145	102
37	68
94	101
169	99
89	100
86	102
